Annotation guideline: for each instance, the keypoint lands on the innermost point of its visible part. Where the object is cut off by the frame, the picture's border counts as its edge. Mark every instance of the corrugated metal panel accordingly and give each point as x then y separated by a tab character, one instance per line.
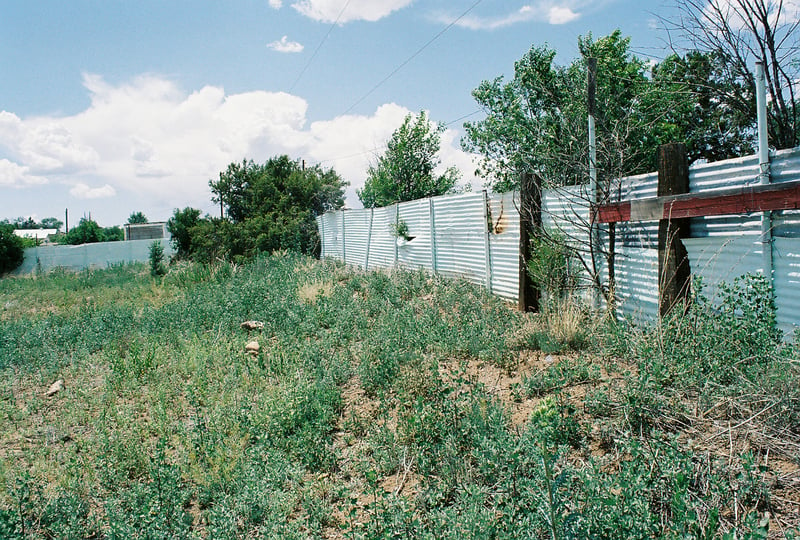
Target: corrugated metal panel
633	188
786	224
504	244
566	210
382	246
718	258
749	224
461	236
636	272
356	223
720	175
709	177
786	256
415	253
332	235
785	165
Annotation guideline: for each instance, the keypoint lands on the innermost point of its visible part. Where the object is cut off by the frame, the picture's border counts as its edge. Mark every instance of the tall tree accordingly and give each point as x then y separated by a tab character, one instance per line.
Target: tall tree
537	121
740	32
701	106
137	218
52	223
274	205
87	232
407	170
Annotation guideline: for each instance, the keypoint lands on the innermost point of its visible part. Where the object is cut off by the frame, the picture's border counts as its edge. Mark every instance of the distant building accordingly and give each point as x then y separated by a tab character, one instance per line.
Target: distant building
146	231
41	235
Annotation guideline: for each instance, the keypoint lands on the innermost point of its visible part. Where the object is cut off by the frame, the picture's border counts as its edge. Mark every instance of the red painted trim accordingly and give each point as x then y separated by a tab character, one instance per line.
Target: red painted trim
757	198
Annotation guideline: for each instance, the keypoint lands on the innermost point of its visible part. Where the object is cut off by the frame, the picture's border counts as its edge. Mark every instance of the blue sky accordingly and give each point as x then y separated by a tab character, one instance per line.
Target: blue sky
109	107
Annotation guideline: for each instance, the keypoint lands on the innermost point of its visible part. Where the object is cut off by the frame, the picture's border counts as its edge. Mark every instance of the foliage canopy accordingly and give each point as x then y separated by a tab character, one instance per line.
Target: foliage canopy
267	207
137	218
537	121
406	171
11	249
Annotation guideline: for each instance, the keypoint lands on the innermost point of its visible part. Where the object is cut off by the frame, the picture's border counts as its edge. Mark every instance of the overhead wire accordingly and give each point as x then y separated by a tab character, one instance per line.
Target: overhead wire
319	46
410	58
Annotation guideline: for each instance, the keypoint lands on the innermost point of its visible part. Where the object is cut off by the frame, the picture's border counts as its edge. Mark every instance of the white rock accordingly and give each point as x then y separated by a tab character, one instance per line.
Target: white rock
55	388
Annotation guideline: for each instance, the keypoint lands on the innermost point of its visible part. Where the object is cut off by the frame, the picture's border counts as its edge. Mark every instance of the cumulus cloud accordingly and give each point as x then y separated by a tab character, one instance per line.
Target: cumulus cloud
14	175
330	11
788	13
285	46
45	145
149	138
542	11
83	191
275	4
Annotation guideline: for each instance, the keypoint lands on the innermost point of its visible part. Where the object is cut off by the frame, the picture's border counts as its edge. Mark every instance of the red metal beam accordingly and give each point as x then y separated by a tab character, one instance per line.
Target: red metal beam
746	200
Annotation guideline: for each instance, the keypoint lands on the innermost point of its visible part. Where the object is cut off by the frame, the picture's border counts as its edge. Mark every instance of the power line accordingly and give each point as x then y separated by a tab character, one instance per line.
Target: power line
410	58
324	39
385	145
473	113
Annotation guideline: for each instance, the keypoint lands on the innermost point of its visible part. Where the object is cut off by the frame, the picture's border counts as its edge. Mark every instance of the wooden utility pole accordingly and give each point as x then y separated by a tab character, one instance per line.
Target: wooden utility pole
673	259
530	220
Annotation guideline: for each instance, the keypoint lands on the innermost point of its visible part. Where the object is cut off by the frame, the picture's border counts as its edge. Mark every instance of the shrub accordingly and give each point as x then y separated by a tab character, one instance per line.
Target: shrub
157	267
11	250
551	265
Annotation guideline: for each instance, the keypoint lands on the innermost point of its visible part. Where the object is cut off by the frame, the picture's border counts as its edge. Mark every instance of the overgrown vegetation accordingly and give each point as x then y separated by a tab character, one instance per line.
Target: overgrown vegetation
267	207
11	249
382	405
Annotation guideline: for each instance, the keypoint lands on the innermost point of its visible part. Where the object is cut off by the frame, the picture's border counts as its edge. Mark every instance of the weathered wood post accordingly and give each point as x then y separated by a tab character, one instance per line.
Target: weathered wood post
530	220
673	260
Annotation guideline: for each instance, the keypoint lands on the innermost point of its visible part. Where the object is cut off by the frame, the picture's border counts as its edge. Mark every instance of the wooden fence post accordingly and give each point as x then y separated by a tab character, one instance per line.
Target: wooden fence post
530	219
673	260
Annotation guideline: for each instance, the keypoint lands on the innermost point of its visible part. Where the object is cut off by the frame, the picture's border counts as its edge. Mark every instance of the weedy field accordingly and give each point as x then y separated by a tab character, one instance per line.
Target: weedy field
384	405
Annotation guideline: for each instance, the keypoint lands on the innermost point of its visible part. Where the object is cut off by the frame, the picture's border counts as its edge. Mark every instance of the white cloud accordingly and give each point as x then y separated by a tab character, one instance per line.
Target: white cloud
330	11
14	175
561	15
148	140
285	46
45	145
275	4
83	191
789	12
542	11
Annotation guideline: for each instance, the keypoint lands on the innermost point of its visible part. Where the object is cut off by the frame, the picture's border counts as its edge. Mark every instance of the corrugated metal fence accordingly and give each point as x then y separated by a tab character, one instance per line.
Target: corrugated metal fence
97	255
476	236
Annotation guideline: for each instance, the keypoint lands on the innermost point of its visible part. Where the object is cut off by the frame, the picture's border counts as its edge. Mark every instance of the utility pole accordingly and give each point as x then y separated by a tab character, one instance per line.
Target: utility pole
591	84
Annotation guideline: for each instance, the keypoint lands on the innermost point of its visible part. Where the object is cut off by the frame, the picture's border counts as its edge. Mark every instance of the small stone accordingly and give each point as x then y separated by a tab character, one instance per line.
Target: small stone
253	347
548	359
252	325
55	388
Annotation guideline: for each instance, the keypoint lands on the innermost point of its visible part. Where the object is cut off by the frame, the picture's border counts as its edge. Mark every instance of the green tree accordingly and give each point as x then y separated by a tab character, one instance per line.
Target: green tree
704	108
25	223
113	234
180	226
537	121
11	250
741	33
273	206
87	232
406	171
52	223
137	218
